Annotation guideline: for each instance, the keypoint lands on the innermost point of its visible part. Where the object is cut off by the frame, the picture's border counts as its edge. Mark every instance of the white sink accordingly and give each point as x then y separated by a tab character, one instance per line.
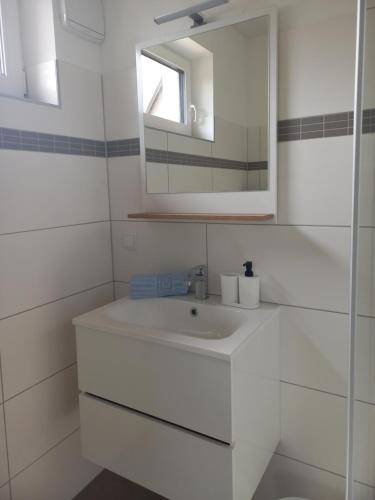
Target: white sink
179	395
179	316
207	326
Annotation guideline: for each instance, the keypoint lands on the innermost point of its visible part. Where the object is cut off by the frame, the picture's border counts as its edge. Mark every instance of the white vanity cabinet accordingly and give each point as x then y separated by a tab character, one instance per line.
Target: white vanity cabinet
190	418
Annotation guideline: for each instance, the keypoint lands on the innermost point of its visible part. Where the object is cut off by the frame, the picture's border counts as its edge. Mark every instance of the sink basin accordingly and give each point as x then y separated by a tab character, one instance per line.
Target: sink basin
194	325
179	395
180	316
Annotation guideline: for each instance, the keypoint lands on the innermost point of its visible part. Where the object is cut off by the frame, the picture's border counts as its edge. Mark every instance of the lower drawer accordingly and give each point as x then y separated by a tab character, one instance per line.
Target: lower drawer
175	463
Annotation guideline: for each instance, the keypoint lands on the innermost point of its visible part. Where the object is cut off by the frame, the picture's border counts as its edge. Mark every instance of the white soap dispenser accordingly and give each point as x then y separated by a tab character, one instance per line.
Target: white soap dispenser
249	286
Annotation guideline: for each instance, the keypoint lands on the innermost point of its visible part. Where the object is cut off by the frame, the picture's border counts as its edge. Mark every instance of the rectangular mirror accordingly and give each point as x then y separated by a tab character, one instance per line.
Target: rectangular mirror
207	104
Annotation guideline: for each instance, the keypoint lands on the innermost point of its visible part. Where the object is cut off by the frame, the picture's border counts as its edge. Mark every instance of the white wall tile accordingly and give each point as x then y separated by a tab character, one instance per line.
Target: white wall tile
253	181
81	112
227	179
157	178
41	266
314	181
45	190
121	290
38	343
362	492
189	179
156	139
253	144
264	143
364	443
313	428
365	360
124	186
369	82
161	247
230	141
263	180
302	266
366	271
121	108
1	381
58	475
324	66
188	145
4	476
5	492
314	346
41	417
285	478
367	180
73	49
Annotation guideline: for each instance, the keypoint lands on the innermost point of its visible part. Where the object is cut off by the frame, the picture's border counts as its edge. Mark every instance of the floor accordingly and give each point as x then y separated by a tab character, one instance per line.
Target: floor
109	486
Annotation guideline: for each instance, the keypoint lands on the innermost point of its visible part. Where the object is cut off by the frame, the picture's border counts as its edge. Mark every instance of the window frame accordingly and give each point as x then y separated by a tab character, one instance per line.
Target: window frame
182	81
183	66
3	61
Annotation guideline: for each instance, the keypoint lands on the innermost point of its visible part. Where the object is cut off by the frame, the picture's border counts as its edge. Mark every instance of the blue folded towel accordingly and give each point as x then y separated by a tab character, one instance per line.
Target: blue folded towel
158	285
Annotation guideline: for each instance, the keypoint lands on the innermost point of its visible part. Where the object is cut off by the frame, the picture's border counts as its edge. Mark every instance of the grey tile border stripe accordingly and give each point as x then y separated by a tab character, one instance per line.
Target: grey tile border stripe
295	129
24	140
123	147
320	126
174	158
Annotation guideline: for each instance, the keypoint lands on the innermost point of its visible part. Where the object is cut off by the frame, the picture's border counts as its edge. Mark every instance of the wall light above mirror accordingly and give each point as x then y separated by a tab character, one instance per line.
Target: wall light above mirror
207	104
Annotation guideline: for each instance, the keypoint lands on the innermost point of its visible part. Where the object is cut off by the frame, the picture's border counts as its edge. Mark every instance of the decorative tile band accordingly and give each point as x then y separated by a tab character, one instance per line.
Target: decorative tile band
23	140
123	147
322	126
174	158
257	165
296	129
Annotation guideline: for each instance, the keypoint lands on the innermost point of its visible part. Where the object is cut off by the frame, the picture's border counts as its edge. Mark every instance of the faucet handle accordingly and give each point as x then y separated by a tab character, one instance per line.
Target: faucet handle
199	270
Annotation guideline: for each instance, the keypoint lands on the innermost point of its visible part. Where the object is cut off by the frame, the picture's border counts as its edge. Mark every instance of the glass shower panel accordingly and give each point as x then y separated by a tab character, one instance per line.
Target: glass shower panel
364	387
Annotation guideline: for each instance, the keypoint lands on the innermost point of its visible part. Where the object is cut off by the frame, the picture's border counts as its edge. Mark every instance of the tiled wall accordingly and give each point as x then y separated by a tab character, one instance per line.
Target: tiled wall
303	260
55	263
176	163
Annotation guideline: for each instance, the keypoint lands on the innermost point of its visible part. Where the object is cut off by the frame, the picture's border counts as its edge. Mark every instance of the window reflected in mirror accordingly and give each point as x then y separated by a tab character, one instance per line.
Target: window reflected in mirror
163	89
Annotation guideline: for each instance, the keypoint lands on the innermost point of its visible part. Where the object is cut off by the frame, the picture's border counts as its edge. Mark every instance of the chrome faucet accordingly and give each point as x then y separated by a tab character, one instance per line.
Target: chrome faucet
198	282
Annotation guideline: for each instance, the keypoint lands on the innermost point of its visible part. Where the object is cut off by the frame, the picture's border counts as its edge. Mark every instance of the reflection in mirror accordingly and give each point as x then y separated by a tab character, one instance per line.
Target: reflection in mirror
206	110
28	67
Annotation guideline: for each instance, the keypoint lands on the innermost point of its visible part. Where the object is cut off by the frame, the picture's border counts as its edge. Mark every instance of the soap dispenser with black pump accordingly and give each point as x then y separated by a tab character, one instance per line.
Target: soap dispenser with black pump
249	287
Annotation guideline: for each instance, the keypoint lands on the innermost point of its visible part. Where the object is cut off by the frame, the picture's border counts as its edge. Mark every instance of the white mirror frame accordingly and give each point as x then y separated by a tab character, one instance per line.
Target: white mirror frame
244	202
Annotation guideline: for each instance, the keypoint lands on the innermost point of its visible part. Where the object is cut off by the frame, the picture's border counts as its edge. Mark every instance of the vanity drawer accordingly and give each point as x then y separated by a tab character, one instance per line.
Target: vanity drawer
172	462
178	386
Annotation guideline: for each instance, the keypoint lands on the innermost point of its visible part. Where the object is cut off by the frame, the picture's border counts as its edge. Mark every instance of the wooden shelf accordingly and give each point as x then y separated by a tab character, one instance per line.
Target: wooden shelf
197	216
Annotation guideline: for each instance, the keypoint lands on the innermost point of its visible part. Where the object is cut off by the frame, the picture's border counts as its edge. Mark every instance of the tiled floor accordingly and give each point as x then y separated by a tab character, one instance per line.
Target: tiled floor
109	486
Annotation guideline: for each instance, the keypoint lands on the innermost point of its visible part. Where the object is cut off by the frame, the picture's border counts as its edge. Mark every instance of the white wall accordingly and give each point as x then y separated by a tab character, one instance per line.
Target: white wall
303	260
55	263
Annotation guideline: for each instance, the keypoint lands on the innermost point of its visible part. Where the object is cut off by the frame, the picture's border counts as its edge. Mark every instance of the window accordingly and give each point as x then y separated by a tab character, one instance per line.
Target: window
163	89
3	68
166	89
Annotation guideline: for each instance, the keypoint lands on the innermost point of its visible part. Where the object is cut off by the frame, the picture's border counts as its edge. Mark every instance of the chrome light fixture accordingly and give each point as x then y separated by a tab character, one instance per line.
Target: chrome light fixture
192	12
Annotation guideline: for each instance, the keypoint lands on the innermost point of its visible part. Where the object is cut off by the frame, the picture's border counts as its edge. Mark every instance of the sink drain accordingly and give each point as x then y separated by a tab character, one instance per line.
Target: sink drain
194	311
